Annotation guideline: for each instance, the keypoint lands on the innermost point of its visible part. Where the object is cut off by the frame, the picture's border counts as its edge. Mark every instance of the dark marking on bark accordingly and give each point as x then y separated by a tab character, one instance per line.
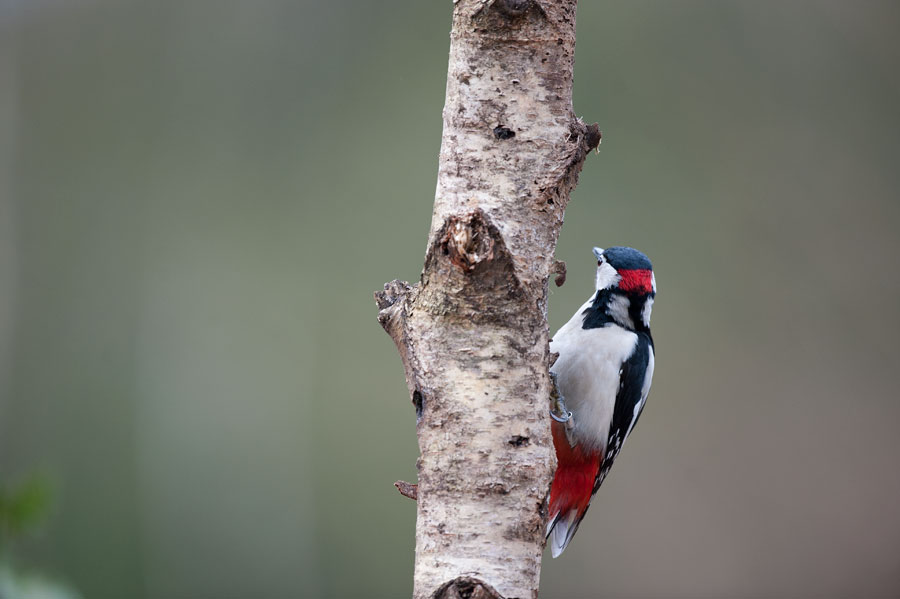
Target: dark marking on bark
501	132
517	344
419	402
493	488
526	529
466	587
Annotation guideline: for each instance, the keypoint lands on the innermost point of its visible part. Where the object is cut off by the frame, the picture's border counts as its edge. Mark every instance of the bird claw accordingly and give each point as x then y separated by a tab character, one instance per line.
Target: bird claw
560	413
562	419
558	410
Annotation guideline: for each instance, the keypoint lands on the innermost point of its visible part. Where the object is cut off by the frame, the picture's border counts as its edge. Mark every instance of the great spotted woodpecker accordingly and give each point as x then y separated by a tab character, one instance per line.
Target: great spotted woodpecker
602	375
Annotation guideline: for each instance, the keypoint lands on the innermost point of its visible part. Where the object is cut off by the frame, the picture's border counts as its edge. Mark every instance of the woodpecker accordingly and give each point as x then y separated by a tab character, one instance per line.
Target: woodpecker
602	379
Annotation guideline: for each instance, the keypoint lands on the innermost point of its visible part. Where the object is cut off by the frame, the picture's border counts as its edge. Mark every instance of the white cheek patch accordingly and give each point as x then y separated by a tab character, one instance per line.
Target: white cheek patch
618	309
606	276
645	313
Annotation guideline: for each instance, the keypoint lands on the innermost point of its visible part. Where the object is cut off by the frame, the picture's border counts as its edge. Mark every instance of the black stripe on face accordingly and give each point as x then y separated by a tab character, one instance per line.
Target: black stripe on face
598	313
636	311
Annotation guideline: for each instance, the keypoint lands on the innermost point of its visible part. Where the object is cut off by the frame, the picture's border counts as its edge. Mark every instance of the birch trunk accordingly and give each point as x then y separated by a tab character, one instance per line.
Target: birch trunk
472	333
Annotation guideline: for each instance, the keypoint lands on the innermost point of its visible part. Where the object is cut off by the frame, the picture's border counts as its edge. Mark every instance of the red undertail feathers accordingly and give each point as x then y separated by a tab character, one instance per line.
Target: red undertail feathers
573	486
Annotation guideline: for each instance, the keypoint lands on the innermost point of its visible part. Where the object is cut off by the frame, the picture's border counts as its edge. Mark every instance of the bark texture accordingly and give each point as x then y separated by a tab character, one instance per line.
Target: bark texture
472	333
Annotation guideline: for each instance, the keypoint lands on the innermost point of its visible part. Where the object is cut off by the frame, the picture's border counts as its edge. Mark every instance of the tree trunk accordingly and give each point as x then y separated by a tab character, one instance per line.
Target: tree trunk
473	332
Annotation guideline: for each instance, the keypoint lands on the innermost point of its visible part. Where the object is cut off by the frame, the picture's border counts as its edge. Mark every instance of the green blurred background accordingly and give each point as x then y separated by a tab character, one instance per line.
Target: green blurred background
197	199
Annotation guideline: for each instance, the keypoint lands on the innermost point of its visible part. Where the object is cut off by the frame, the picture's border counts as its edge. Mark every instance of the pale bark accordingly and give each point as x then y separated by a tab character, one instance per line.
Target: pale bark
473	332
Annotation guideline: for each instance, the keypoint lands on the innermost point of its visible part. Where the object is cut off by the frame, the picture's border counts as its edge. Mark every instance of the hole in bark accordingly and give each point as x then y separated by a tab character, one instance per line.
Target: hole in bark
519	441
503	132
418	402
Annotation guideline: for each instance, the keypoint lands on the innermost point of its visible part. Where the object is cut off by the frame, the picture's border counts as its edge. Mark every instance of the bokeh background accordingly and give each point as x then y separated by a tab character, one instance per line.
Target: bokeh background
198	197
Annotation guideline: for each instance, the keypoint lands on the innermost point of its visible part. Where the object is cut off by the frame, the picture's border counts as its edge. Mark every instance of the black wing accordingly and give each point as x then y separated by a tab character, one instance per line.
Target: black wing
629	397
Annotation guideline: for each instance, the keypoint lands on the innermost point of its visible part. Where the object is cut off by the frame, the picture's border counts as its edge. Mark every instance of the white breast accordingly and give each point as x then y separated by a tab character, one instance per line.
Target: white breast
587	372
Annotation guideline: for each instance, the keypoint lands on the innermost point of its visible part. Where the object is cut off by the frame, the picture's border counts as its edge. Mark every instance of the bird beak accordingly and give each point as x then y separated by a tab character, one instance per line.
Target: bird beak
599	253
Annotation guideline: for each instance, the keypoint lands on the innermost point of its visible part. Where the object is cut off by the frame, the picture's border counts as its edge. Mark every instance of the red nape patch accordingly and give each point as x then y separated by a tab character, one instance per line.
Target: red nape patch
638	280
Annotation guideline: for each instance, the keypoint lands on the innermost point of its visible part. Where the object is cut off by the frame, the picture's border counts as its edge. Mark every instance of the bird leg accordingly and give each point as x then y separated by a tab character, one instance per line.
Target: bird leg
559	412
558	409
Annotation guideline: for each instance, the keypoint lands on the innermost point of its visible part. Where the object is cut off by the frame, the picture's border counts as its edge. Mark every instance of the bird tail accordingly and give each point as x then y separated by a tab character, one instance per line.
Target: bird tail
561	529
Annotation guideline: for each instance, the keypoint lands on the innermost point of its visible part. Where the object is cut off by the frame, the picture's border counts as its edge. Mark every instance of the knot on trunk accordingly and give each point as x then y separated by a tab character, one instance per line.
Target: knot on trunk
469	271
467	241
466	587
510	13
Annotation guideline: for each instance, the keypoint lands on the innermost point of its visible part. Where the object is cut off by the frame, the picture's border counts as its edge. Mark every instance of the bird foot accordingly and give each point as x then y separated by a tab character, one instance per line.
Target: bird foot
559	412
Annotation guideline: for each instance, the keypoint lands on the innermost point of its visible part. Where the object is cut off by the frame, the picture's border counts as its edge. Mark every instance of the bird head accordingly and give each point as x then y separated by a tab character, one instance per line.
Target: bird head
626	288
624	269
